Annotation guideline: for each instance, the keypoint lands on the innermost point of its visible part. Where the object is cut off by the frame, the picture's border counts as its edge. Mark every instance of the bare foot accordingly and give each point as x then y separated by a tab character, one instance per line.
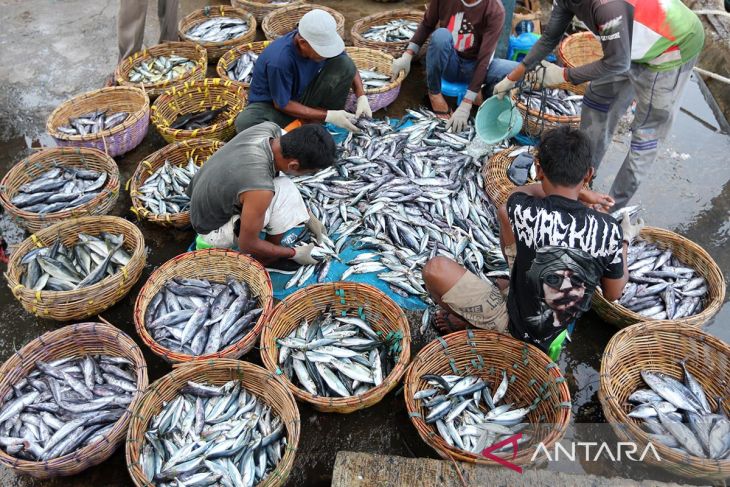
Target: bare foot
439	105
446	322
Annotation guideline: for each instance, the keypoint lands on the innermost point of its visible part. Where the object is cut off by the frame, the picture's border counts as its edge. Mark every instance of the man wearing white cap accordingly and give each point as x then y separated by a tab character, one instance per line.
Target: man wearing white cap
305	75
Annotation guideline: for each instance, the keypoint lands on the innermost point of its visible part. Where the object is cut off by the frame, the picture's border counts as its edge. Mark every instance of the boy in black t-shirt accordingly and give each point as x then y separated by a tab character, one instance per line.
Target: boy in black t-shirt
559	249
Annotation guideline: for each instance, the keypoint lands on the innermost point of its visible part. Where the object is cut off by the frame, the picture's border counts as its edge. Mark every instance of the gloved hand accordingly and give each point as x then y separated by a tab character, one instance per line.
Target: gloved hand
403	63
315	226
303	255
631	230
363	107
458	119
550	76
342	119
503	87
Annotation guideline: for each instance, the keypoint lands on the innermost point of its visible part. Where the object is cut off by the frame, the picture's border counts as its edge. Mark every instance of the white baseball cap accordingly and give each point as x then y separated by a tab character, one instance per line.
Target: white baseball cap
319	29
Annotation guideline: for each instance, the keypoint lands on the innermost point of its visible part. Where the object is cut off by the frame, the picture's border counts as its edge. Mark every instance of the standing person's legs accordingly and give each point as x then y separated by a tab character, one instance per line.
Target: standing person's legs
330	88
605	102
657	102
256	113
167	14
130	26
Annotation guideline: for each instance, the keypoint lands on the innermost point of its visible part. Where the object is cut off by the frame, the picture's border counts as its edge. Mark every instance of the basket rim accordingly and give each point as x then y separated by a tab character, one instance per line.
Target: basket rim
215	11
392	84
570	40
49	339
287	9
223	254
531	112
395	375
124	67
110	188
362	23
132	119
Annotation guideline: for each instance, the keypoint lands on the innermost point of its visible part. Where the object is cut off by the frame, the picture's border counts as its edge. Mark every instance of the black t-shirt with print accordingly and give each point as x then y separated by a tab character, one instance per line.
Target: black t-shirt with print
563	250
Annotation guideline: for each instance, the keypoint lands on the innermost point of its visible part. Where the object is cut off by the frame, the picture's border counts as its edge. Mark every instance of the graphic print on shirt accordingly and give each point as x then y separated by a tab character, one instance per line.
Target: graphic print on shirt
462	31
612	29
563	279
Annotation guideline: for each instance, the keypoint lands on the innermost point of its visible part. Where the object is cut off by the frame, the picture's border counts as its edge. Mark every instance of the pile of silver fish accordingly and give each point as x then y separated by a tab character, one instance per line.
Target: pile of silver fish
338	355
372	79
213	435
467	414
92	122
553	101
324	252
660	286
160	68
61	268
65	405
396	30
199	317
242	68
409	195
678	415
218	29
60	188
163	192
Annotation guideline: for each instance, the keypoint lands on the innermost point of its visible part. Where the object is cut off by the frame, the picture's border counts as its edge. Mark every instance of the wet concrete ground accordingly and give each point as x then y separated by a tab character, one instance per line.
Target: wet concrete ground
50	51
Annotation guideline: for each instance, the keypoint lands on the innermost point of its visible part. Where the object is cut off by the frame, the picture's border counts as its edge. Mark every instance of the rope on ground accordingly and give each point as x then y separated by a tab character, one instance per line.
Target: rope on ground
712	12
712	75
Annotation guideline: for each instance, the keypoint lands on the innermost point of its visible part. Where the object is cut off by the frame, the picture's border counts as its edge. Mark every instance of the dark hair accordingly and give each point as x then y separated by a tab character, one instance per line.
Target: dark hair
311	145
565	156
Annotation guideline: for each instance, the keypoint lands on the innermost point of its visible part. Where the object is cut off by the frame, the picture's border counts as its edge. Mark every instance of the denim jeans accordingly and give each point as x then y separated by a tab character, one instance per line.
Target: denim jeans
442	61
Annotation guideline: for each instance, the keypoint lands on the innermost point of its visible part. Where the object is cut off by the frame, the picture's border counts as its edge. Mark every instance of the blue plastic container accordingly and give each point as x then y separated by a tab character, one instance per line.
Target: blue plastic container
454	89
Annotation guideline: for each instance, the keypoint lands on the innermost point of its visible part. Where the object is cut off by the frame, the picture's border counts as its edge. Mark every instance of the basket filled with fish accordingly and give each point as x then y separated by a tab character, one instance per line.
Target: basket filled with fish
113	120
338	346
158	185
285	19
664	383
473	389
374	68
670	278
77	268
160	67
218	28
260	8
204	304
201	109
549	108
387	32
579	49
220	422
67	397
59	183
237	64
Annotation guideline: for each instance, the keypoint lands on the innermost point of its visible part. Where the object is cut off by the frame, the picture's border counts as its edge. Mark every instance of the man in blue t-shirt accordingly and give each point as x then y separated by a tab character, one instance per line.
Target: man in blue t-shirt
305	75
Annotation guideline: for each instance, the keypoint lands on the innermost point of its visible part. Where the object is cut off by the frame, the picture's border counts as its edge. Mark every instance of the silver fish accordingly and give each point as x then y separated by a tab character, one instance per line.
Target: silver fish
218	29
156	69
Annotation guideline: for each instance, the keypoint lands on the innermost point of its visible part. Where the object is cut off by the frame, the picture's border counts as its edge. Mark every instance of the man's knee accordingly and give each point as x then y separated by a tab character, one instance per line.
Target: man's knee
342	64
245	120
442	38
436	267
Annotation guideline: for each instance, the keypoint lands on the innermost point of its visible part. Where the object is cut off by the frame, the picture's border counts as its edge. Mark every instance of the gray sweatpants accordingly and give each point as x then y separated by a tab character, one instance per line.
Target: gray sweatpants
657	97
131	20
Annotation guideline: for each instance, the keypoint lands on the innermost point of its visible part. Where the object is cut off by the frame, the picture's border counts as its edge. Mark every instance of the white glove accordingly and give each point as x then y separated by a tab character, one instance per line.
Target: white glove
403	63
550	76
363	107
315	226
457	122
503	87
303	255
342	119
631	231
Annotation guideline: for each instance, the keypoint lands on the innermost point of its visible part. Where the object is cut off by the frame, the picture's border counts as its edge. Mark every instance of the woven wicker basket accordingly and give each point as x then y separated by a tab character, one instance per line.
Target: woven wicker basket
232	56
196	96
381	62
659	346
395	49
37	163
88	301
217	49
535	123
496	182
691	255
255	379
177	154
486	354
73	341
284	20
381	312
579	49
215	265
188	50
259	9
116	140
